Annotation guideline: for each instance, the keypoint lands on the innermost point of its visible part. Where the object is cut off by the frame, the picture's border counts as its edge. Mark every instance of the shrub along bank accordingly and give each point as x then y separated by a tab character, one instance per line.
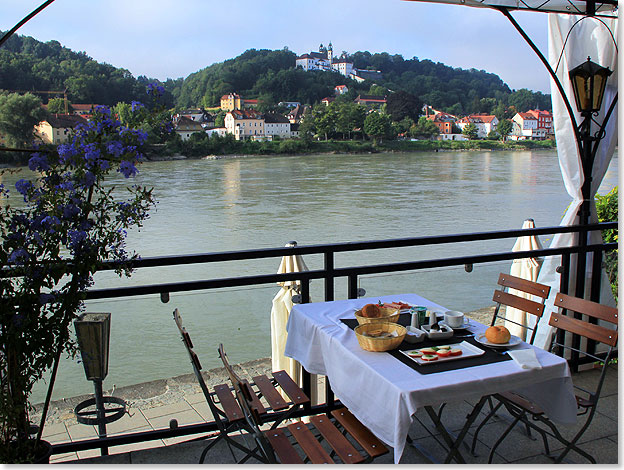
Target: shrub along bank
200	145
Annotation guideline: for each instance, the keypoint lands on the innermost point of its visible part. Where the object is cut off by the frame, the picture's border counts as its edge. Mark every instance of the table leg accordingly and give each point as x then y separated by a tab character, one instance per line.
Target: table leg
454	444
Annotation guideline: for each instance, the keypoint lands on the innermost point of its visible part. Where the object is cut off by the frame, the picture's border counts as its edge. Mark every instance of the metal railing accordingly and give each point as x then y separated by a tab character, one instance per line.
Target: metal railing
329	274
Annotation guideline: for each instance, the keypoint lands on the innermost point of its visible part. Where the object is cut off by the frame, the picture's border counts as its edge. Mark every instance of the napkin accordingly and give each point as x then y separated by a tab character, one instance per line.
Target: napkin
525	358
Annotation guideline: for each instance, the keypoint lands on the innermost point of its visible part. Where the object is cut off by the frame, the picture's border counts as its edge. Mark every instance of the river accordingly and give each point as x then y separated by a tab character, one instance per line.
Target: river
258	202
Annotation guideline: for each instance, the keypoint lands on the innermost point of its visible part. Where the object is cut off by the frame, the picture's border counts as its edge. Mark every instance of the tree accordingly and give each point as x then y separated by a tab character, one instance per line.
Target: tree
403	104
377	126
504	128
19	114
57	106
424	129
350	117
470	131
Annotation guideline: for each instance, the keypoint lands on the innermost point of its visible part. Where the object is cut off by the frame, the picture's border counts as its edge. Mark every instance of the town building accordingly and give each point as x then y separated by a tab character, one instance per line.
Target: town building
341	89
289	104
544	120
525	126
276	125
57	128
231	101
444	122
185	127
296	114
370	100
244	124
485	123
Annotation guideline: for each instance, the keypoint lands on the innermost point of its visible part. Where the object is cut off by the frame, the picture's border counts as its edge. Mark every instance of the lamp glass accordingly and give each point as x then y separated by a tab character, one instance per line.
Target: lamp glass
588	83
93	334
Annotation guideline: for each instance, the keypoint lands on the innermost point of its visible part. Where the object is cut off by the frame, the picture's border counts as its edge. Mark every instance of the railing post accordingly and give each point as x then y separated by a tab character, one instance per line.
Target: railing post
329	276
305	291
352	286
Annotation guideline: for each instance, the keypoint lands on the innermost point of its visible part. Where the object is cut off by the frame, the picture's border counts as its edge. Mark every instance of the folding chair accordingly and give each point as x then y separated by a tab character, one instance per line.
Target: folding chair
297	443
503	297
269	404
521	409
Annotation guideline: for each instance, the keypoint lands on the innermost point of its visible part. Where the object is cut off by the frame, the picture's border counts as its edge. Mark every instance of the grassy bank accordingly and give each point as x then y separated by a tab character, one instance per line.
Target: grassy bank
201	146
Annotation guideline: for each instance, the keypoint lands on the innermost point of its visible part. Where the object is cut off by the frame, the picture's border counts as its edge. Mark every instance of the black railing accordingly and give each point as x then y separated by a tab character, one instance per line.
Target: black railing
329	274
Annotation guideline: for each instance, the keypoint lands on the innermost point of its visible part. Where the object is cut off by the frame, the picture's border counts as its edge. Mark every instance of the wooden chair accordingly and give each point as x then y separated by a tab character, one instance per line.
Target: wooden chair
535	308
587	400
328	438
509	299
268	403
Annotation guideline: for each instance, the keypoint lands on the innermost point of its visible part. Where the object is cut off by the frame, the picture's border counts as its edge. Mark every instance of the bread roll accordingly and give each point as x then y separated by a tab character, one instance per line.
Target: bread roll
497	334
371	311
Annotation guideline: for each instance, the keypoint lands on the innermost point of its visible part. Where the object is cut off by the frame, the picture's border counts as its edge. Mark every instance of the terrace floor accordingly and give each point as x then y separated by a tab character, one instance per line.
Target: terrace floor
153	405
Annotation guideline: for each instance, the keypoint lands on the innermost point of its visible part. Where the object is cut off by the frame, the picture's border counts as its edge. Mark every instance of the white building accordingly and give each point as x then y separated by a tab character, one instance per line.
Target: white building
324	60
526	126
485	123
276	126
244	124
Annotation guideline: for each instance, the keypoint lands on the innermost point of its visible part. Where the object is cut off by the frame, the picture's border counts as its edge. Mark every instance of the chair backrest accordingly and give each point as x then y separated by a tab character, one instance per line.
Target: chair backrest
509	299
585	329
186	339
244	396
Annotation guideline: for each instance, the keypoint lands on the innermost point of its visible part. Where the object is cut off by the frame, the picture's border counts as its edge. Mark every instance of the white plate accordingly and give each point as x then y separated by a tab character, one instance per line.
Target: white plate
468	350
438	334
513	341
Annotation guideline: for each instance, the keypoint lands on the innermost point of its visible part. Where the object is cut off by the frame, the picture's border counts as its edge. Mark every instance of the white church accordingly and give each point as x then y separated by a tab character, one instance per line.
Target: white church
324	60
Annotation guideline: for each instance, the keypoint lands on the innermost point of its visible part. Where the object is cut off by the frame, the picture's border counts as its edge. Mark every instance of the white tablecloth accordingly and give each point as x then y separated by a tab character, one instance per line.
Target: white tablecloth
384	393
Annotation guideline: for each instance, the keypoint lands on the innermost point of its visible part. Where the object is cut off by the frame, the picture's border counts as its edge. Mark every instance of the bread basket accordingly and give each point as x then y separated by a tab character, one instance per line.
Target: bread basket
376	344
387	315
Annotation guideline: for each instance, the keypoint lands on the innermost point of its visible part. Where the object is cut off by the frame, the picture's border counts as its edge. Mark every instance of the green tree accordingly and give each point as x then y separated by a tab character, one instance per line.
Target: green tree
424	129
377	126
19	114
504	128
607	211
403	104
57	106
377	90
350	117
470	131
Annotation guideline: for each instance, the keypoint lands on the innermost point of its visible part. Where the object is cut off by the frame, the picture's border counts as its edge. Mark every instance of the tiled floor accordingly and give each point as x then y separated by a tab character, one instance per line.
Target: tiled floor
599	440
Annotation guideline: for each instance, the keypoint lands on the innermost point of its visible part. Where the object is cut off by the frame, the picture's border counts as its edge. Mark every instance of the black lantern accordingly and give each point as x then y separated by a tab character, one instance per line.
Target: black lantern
93	333
588	83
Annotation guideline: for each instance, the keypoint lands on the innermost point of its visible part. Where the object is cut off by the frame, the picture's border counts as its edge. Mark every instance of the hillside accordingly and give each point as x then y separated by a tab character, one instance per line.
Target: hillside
268	75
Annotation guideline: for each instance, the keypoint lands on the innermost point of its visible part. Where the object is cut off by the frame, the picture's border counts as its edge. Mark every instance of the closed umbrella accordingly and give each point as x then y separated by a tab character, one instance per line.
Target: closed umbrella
526	268
282	304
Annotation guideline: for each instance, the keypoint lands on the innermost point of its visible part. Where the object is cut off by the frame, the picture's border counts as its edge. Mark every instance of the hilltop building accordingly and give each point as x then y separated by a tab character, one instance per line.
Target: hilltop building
325	60
233	101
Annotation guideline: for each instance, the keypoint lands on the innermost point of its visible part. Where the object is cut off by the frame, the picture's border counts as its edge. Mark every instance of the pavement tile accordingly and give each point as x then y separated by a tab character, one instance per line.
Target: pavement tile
55	433
85	454
81	431
128	422
189	416
136	446
204	410
165	410
195	398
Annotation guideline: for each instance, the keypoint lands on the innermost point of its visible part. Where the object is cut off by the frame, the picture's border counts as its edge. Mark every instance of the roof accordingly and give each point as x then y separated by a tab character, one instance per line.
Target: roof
371	98
64	121
83	107
245	114
540	113
478	118
527	116
230	95
186	124
272	118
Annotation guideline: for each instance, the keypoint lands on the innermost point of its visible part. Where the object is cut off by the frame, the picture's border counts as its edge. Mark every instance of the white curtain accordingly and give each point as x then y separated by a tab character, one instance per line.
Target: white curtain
570	43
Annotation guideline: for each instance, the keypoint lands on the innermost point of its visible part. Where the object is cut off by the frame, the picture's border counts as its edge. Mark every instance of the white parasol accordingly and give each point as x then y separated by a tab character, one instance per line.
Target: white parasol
282	304
525	268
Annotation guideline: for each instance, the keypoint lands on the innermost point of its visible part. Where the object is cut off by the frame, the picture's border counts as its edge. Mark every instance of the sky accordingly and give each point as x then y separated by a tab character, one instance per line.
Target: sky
165	39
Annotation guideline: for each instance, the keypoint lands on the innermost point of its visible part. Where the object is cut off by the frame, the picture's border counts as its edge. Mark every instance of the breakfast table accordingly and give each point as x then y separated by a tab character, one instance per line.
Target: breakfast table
385	389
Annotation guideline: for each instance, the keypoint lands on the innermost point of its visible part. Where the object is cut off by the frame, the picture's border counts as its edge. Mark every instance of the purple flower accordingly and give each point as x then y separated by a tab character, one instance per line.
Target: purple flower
88	179
92	153
38	162
46	298
70	211
141	136
136	105
23	186
155	90
19	256
127	169
66	152
115	148
105	110
76	237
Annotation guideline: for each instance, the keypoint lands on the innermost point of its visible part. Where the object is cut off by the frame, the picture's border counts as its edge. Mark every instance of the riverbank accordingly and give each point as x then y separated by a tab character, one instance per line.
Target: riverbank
202	147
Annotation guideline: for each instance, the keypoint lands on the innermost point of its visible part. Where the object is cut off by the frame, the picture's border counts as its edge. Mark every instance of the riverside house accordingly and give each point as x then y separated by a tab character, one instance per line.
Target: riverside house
57	127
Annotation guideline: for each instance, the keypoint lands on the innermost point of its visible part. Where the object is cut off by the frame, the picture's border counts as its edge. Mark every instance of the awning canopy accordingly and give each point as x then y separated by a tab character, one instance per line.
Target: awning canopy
604	8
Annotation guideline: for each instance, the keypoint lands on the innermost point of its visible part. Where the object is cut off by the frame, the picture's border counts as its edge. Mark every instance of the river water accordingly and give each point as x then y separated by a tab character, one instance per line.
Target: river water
258	202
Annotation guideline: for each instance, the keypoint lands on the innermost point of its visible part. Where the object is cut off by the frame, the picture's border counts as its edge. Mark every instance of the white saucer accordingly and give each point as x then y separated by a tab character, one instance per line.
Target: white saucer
461	327
513	341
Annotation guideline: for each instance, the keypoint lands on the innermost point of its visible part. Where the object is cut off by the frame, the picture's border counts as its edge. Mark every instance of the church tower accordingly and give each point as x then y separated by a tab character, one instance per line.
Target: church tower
330	53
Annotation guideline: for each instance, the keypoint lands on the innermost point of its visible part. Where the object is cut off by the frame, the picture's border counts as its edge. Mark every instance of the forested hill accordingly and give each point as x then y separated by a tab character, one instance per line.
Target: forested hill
27	64
268	75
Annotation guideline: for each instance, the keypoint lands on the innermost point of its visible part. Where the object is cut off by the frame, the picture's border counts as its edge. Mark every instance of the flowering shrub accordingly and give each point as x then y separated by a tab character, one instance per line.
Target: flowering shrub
69	224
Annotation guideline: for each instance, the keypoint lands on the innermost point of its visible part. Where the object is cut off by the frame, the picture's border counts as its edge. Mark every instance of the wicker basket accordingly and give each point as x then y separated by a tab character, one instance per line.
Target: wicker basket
379	344
387	315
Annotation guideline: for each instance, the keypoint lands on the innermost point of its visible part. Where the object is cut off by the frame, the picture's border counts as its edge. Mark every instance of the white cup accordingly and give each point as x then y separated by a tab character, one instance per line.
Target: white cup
453	318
